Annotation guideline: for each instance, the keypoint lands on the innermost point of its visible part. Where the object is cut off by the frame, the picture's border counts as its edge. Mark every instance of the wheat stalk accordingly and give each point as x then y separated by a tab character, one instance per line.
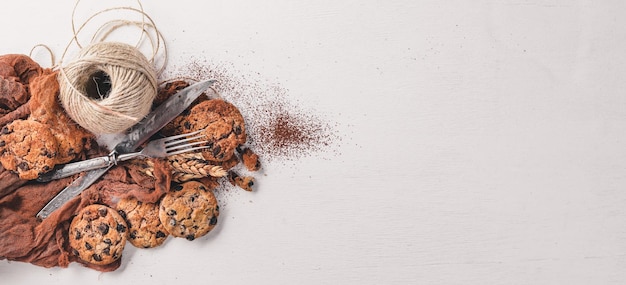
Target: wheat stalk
189	166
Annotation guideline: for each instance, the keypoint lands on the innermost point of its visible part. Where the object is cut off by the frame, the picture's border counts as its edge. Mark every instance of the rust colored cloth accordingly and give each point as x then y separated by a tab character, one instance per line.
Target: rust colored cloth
8	182
20	66
25	238
44	242
16	71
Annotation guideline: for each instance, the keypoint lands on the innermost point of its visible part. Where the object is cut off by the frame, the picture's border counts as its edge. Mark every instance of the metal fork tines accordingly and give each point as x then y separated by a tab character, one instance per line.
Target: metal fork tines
157	148
169	146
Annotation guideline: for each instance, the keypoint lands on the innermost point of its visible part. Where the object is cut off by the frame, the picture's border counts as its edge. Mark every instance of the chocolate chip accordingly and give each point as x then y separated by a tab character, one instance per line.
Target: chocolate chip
217	208
232	175
122	213
190	237
96	257
187	125
103	228
216	150
133	235
2	143
103	212
88	246
250	183
172	222
202	187
46	168
160	234
171	212
23	166
213	221
107	241
75	252
177	187
78	235
5	130
120	228
237	130
107	250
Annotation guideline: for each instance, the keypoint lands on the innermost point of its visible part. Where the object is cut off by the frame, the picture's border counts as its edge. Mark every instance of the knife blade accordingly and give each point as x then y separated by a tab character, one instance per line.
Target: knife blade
162	115
137	135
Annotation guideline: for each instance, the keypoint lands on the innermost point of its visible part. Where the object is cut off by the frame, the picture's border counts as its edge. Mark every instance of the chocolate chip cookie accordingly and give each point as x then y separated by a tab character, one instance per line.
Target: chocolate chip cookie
223	124
144	226
28	148
189	210
98	234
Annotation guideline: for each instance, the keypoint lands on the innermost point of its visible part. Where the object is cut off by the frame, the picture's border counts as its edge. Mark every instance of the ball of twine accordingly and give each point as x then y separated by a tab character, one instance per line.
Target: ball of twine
132	81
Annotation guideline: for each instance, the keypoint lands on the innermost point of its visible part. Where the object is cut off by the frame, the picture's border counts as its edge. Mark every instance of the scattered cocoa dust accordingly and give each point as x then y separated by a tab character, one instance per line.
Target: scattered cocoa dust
278	129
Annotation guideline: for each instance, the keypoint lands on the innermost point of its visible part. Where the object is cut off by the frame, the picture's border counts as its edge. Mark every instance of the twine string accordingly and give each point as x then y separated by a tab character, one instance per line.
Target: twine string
133	76
133	87
30	54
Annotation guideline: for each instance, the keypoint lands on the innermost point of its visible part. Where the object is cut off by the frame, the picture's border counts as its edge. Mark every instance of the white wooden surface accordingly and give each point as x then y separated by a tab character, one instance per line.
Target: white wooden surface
483	142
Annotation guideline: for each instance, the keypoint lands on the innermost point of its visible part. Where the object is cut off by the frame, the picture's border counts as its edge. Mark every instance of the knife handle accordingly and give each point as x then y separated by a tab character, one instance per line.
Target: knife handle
78	167
71	191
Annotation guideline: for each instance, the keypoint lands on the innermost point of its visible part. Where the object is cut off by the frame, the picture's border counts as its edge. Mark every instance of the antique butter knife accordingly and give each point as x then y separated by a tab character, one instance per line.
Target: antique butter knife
137	135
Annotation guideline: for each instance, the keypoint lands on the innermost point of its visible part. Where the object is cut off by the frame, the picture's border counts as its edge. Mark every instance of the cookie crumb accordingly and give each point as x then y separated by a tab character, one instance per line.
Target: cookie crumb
250	159
243	182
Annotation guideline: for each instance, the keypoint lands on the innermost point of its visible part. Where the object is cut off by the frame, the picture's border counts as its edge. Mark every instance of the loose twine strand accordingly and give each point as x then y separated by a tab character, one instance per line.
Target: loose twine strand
133	76
30	54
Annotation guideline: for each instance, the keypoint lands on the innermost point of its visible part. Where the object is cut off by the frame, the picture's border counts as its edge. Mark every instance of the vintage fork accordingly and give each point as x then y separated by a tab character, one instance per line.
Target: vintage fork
157	148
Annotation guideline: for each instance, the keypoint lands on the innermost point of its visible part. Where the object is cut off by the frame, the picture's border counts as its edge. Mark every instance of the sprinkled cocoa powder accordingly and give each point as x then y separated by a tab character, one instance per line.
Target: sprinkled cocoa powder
291	135
278	129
